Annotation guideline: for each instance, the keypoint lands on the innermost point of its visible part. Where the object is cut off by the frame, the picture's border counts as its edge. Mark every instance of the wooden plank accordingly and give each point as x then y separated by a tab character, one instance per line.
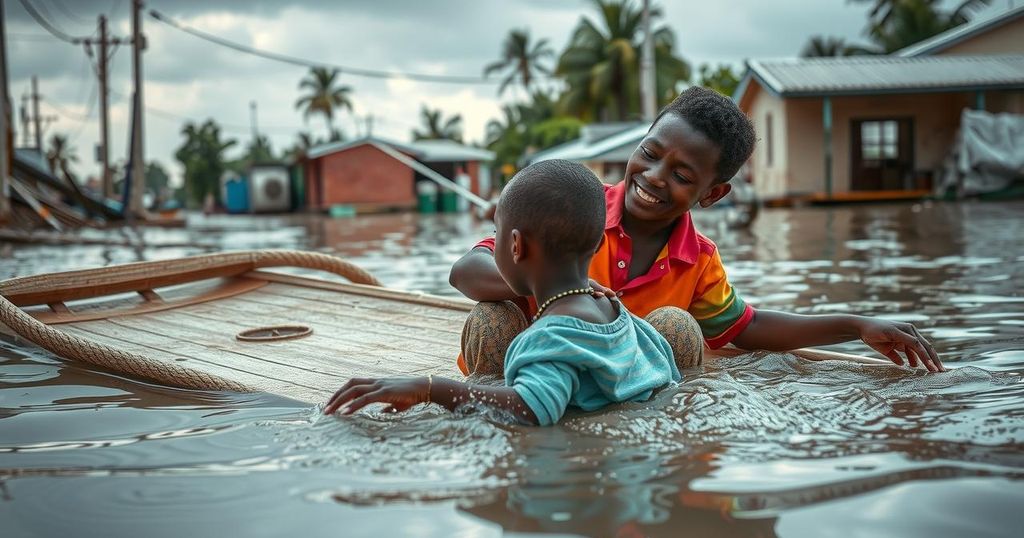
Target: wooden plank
318	353
102	333
339	330
130	307
387	321
418	315
420	298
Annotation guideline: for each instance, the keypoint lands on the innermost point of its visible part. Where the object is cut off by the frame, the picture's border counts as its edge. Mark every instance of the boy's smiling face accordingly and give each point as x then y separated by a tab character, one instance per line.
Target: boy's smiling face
673	168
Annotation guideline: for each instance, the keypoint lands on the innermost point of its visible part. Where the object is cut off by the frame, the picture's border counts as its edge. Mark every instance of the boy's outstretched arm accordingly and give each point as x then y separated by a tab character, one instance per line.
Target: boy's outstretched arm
477	277
781	331
403	393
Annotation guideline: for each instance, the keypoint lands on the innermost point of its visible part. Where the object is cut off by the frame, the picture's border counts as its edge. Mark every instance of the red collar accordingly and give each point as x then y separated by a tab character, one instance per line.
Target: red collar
682	244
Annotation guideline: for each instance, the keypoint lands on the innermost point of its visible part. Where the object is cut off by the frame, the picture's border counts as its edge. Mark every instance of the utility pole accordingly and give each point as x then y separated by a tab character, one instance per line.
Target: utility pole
36	118
252	119
6	144
107	181
369	126
648	86
138	171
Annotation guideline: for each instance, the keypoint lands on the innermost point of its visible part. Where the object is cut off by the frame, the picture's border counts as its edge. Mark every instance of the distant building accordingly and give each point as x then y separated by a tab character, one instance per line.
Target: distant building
877	126
602	147
357	173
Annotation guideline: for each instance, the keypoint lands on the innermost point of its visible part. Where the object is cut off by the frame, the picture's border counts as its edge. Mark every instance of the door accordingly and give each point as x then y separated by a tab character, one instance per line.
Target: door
882	154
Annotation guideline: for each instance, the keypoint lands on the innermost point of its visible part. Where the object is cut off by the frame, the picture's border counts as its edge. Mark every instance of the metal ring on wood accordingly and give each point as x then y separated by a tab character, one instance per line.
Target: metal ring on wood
274	333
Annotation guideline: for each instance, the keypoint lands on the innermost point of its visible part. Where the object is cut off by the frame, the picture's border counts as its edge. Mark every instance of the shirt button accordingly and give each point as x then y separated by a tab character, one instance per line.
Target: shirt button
662	266
622	264
621	235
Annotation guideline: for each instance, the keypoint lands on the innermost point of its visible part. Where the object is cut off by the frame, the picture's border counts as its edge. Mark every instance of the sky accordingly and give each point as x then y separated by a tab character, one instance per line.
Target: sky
189	79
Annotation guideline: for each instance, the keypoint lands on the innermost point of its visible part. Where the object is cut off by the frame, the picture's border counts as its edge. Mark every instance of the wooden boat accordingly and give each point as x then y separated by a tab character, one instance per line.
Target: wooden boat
222	322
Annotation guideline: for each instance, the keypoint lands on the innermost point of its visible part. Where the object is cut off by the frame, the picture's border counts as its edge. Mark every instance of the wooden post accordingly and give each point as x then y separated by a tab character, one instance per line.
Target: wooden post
826	113
979	100
6	143
37	120
138	171
106	180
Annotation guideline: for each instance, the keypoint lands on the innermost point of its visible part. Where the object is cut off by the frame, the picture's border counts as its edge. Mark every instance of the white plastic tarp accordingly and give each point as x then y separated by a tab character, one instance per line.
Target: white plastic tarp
988	154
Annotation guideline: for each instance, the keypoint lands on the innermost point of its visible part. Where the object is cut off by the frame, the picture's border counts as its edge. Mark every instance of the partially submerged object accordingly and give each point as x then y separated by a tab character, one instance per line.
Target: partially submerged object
221	322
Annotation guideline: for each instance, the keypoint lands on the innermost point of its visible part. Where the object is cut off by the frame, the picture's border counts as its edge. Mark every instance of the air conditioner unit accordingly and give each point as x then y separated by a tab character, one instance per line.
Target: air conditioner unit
269	189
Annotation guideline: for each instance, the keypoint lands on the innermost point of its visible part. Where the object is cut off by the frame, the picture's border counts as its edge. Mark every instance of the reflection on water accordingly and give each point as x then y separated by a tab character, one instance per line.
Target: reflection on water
761	445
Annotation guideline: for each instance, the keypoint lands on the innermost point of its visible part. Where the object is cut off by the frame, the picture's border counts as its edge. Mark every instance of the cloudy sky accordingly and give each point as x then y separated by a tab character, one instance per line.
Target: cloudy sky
187	78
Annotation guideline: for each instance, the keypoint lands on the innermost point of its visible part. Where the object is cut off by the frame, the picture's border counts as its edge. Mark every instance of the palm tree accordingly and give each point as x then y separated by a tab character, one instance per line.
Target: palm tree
827	47
911	21
601	63
324	97
436	127
882	11
202	155
520	60
60	155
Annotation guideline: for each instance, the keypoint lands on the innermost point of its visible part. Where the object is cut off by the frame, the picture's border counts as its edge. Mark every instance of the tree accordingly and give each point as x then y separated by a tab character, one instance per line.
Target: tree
827	47
722	79
60	155
895	24
156	177
202	155
259	150
520	60
436	127
324	96
601	63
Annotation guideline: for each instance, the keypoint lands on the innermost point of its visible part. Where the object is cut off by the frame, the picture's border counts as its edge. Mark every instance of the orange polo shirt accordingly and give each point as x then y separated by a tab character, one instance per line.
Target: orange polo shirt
688	274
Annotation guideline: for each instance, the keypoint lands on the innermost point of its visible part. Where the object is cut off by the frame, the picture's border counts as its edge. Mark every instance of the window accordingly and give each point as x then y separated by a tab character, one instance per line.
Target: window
768	137
879	140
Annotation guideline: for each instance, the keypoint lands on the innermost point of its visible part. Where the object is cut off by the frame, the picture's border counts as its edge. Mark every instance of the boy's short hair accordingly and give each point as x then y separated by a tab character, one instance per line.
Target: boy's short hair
719	119
561	202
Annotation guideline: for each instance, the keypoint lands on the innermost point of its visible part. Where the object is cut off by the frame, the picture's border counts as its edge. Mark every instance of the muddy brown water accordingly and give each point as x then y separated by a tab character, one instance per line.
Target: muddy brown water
763	445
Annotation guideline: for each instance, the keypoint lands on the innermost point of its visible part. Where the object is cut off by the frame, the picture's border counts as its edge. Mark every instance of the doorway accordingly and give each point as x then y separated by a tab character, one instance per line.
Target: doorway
882	154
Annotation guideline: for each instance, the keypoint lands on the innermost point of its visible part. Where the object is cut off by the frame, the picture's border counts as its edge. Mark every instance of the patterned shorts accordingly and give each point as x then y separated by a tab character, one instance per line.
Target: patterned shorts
492	326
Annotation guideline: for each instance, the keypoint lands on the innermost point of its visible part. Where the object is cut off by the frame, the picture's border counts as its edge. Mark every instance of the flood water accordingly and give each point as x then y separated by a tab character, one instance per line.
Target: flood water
761	445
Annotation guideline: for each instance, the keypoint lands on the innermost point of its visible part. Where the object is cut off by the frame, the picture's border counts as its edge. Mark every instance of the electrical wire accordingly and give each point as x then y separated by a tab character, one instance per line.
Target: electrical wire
294	60
49	27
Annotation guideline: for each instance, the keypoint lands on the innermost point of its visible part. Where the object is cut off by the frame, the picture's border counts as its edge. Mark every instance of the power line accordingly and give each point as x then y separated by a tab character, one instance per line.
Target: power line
49	27
294	60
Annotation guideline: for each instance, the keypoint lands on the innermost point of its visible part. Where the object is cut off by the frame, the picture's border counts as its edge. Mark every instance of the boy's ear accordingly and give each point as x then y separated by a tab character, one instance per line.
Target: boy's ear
517	246
715	194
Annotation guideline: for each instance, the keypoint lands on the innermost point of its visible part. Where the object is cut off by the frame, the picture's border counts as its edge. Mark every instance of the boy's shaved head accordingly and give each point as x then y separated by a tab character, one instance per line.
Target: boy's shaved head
560	203
721	121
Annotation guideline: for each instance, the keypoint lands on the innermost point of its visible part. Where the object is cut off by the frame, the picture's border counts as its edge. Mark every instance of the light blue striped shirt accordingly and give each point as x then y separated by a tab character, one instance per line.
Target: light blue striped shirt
561	361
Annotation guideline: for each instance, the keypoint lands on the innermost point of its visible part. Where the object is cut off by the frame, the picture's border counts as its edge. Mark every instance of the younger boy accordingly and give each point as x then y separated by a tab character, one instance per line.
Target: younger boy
583	348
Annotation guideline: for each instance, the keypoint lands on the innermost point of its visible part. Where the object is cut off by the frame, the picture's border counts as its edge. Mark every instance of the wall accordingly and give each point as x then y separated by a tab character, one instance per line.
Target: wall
364	175
769	180
1006	39
936	118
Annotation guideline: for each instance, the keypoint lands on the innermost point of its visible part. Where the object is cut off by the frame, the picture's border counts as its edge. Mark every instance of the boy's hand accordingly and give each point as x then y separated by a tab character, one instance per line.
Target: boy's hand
601	291
401	393
891	338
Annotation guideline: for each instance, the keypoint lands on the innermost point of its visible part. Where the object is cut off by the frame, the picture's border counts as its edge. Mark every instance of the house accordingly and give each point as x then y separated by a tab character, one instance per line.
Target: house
359	174
868	127
602	147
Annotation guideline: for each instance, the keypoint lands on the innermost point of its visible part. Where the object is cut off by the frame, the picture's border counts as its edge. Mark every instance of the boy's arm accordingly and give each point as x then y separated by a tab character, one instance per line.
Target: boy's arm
477	277
403	393
781	331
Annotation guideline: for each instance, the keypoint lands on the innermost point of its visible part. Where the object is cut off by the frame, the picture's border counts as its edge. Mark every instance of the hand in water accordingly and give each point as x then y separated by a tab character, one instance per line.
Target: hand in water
401	393
892	338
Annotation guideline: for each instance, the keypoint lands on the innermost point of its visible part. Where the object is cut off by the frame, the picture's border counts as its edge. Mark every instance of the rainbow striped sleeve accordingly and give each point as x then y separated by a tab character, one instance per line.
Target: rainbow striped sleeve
720	312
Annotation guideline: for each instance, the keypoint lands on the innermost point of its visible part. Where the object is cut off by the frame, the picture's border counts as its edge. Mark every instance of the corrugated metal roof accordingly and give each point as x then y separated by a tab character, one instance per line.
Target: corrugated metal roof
887	74
961	33
584	150
424	150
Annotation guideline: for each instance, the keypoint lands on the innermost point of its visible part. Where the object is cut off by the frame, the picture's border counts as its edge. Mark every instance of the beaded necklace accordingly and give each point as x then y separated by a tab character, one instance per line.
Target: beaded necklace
578	291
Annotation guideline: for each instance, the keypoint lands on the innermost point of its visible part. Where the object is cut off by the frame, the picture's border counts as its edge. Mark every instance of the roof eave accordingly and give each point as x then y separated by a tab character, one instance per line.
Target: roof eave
897	91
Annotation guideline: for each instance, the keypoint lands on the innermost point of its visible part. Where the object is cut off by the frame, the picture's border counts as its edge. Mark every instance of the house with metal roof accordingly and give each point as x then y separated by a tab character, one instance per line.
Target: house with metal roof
602	147
362	175
866	127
